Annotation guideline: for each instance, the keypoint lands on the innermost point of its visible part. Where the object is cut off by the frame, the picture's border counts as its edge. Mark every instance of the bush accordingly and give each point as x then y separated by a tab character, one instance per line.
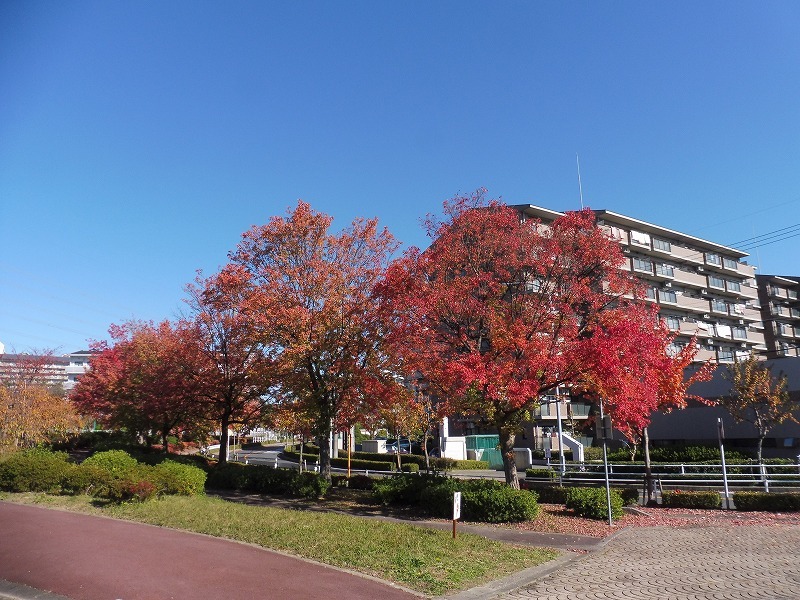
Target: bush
360	482
773	502
593	504
84	479
691	499
404	489
541	473
227	476
499	503
176	478
129	489
117	463
308	485
550	494
411	468
34	470
267	480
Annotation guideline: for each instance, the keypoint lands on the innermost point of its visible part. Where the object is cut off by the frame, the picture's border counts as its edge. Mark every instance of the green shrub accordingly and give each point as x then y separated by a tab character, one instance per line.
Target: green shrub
772	502
360	482
309	485
366	465
691	499
467	465
549	494
268	480
411	468
404	489
629	495
84	479
34	470
176	478
541	473
117	462
593	504
227	476
499	503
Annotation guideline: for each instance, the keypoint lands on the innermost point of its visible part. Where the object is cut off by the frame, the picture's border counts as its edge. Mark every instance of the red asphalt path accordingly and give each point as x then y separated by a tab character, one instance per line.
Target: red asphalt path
95	558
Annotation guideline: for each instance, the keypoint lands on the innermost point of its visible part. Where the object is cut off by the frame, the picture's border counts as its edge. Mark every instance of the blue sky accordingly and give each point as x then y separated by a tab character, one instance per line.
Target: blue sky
138	140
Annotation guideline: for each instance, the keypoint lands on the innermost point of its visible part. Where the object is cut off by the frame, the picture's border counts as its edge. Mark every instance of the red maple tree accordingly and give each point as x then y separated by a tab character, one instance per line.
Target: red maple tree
233	370
312	301
144	381
499	311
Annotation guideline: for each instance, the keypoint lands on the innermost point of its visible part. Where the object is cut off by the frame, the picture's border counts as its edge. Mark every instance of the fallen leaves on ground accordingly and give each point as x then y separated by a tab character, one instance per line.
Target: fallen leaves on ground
554	518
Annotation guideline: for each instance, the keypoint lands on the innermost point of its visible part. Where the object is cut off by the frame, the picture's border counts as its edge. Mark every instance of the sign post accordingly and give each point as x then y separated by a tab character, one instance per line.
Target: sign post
456	510
721	437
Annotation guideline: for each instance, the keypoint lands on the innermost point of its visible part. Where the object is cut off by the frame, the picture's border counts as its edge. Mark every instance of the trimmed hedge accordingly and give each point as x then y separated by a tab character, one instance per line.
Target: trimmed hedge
374	461
554	494
34	470
116	462
486	501
691	499
593	503
763	501
262	479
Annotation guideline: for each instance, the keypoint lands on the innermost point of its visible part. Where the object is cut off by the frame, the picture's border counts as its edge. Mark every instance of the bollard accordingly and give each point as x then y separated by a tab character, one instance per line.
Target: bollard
276	462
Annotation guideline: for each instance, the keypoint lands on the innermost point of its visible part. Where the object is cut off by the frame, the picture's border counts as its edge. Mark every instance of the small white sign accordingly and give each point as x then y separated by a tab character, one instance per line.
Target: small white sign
456	506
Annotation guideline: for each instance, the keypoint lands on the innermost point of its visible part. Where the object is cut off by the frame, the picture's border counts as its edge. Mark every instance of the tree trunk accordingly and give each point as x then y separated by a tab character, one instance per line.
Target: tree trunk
223	440
165	438
325	455
759	446
507	438
649	484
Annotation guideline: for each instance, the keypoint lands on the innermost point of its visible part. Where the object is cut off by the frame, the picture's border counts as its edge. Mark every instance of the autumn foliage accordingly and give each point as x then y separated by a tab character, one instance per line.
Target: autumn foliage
499	311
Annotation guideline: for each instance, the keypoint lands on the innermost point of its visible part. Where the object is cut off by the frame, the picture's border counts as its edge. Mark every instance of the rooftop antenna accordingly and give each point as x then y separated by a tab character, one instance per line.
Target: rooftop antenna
580	187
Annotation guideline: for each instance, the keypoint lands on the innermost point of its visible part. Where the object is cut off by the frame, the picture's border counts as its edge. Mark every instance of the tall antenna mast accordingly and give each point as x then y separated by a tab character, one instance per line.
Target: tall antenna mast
580	187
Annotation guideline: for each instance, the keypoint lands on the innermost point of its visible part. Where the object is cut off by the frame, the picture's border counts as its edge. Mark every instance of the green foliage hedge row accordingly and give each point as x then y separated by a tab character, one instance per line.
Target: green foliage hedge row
262	479
485	501
593	503
691	499
554	494
113	475
773	502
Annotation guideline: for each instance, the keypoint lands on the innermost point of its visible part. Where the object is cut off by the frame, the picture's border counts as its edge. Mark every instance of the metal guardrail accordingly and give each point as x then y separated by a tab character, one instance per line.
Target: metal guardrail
684	475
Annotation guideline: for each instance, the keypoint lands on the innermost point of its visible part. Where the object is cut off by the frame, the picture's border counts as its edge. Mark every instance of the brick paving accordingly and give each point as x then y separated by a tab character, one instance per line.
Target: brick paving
680	563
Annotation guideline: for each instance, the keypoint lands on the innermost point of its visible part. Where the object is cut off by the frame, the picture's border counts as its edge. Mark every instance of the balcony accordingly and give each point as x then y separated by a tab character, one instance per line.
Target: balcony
698	305
688	255
688	278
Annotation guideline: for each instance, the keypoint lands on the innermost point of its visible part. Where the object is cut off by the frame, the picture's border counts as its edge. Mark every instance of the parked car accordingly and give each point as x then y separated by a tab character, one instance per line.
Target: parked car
404	444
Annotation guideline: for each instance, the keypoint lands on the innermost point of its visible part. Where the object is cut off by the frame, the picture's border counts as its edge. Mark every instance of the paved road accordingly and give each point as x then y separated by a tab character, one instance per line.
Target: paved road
683	563
95	558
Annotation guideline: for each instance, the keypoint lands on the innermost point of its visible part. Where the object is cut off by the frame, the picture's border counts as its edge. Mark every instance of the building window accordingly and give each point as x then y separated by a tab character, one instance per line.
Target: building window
642	264
729	263
739	333
668	296
725	355
774	290
665	270
662	245
716	282
734	286
675	348
712	258
642	239
719	306
795	313
651	293
617	234
672	322
792	294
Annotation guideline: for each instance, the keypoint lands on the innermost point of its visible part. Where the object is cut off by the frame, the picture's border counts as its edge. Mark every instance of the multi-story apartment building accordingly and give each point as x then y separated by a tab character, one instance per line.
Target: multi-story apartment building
780	312
703	289
56	371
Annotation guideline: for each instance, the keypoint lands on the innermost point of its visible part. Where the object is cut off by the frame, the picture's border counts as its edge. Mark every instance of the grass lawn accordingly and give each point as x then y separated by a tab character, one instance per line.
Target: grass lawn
426	560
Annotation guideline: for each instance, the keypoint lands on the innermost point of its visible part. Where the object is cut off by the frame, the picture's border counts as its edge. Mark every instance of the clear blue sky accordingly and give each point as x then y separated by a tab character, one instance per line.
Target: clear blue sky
139	139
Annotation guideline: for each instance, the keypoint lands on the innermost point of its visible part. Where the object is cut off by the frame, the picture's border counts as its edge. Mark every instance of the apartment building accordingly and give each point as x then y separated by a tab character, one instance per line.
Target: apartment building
780	313
702	288
56	371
